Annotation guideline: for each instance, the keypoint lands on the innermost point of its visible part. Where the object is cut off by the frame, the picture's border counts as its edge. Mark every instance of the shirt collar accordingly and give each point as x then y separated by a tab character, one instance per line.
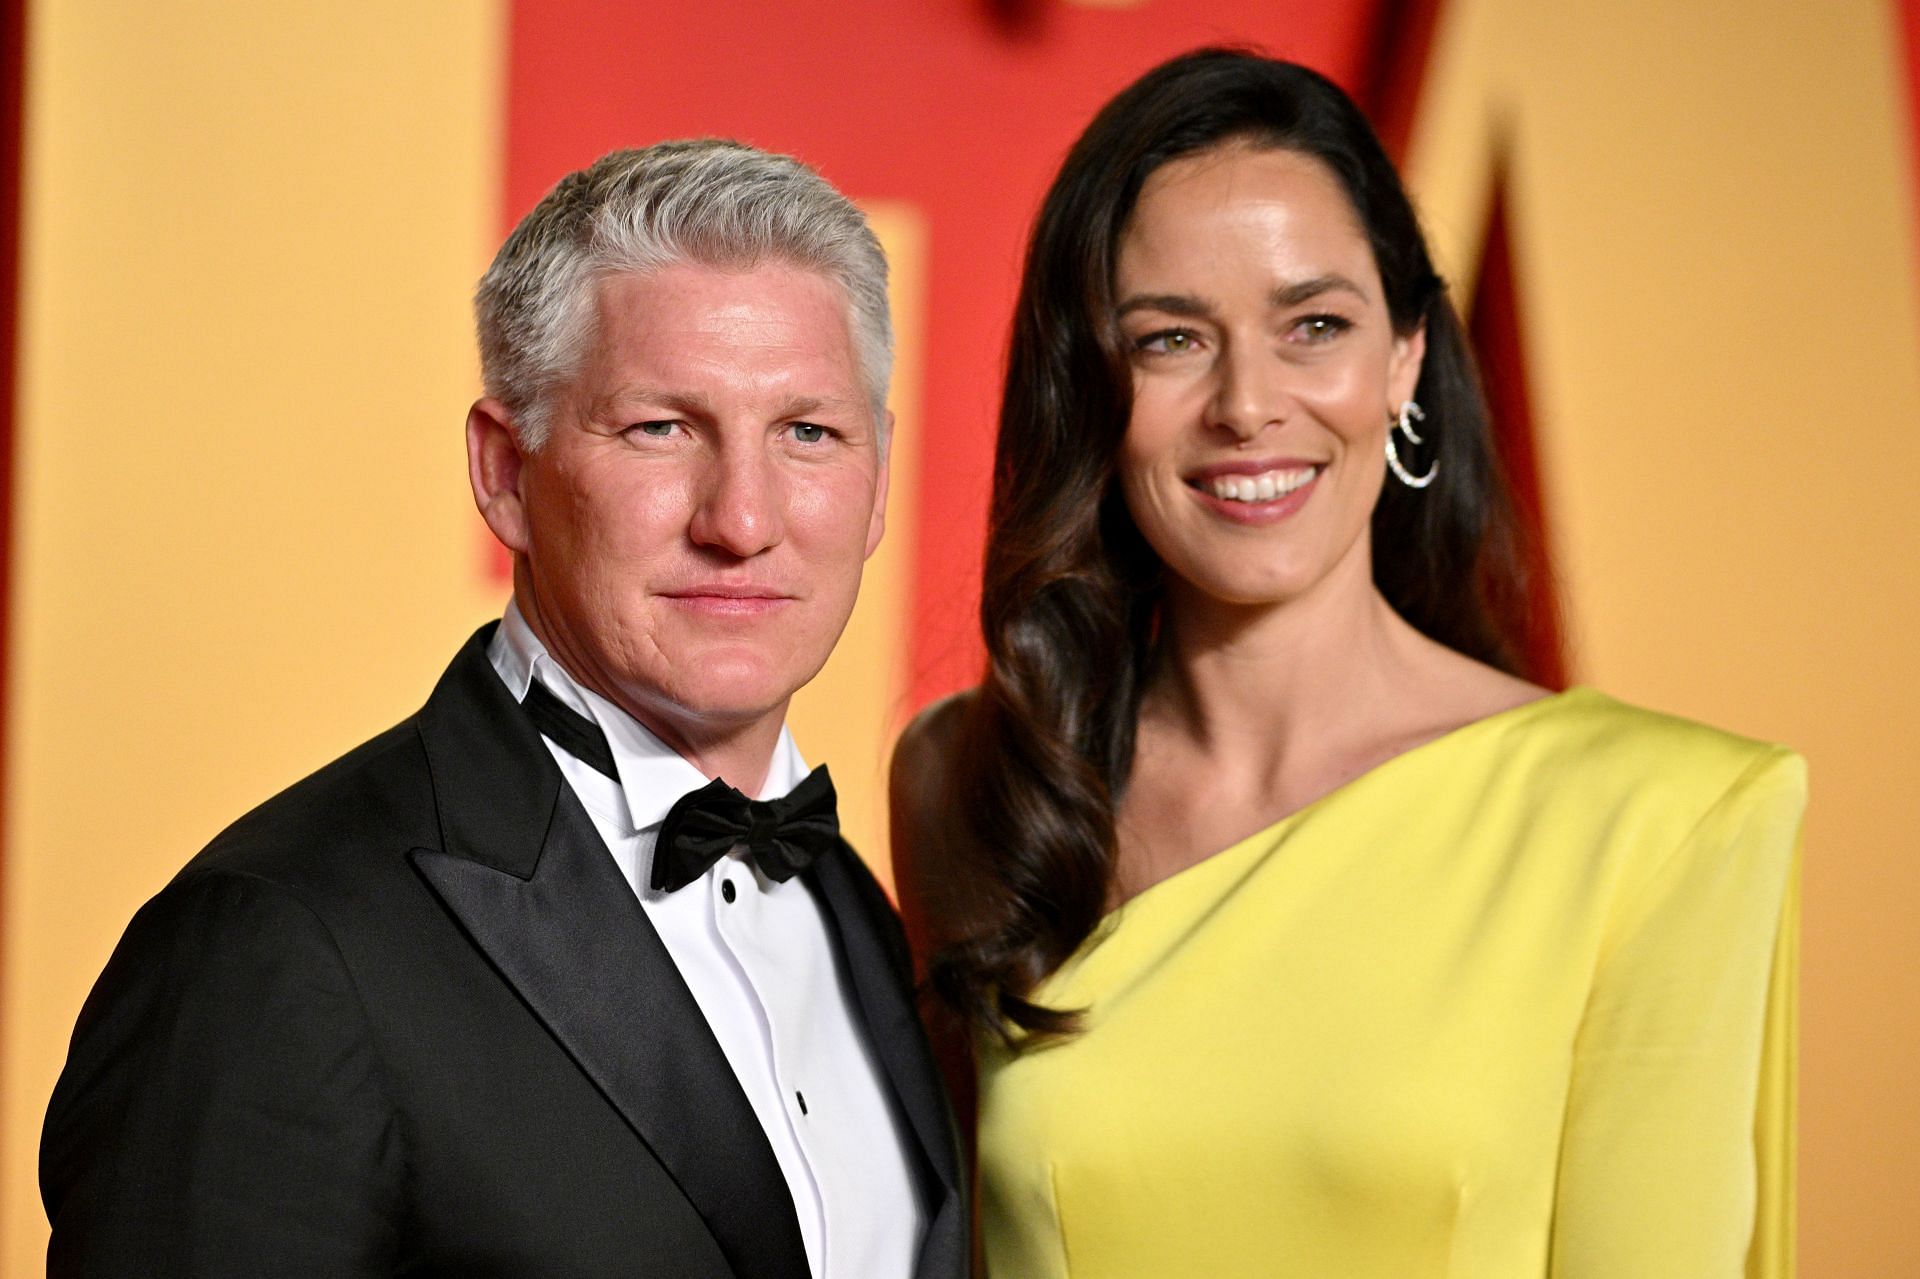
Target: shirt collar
653	776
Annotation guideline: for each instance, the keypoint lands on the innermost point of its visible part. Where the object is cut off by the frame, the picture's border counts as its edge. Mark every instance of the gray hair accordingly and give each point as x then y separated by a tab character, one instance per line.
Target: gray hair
706	202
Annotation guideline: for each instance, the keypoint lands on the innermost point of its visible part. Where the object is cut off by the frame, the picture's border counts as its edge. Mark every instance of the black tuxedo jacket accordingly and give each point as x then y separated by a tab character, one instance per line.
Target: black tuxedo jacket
408	1018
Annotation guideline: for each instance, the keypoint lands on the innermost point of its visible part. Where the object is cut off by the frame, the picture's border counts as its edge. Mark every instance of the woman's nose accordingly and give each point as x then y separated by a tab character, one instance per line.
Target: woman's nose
1251	393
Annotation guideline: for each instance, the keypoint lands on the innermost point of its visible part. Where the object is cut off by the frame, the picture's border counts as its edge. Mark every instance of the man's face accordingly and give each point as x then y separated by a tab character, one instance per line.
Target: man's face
688	541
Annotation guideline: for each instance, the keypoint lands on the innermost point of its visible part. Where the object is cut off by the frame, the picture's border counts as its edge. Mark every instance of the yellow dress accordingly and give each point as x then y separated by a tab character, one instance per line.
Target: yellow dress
1517	1003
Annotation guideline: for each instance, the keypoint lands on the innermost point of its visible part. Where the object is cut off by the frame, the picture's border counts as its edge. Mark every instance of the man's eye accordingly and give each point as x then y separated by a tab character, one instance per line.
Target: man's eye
658	430
809	432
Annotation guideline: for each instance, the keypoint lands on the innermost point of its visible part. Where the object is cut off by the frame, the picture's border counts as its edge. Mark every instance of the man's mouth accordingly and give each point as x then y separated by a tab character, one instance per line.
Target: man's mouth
728	599
726	590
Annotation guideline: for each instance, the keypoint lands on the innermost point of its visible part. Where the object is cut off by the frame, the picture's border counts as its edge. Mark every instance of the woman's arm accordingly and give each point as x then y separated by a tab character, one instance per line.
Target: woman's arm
927	881
917	804
1677	1155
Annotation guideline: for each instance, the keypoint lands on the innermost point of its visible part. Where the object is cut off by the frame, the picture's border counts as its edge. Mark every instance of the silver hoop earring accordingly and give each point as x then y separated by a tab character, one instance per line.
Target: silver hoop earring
1410	413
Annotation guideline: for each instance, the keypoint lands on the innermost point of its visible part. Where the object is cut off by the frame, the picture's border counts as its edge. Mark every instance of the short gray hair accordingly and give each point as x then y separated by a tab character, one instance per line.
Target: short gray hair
706	202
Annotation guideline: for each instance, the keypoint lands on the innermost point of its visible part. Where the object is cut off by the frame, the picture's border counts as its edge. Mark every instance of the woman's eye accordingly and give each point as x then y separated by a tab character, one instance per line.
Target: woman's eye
1319	328
1167	342
809	432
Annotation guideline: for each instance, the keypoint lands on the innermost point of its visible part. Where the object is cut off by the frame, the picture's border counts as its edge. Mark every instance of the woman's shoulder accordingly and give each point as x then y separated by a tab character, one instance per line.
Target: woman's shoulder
1618	807
928	742
1656	783
932	885
1608	739
1589	733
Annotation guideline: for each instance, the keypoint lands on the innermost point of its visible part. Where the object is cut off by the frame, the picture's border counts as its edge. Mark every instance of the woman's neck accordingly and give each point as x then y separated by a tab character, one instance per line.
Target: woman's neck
1250	684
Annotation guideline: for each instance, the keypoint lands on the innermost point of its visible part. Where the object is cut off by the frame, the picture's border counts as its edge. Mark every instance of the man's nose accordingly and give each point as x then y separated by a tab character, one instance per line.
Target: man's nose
740	510
1250	392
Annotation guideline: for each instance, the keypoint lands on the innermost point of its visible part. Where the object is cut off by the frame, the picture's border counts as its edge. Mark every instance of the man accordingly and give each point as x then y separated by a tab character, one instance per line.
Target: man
515	988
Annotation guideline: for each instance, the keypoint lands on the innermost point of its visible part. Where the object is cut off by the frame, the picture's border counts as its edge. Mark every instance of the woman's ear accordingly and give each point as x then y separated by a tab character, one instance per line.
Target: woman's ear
1403	366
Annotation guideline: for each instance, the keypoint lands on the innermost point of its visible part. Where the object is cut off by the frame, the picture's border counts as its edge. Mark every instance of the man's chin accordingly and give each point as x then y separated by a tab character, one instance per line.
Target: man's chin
730	694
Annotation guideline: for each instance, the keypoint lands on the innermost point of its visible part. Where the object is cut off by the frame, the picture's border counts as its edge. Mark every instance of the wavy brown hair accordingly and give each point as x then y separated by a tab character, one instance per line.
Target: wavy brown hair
1072	592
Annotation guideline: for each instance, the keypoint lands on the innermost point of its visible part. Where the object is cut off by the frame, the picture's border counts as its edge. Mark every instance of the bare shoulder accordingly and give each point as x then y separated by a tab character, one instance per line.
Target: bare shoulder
926	745
920	800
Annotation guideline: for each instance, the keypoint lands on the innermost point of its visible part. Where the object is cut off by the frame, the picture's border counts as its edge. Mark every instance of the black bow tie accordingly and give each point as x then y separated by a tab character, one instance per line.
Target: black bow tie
783	836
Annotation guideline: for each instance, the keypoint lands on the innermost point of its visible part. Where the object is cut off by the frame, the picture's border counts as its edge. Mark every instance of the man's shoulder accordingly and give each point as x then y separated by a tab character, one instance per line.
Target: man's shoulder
372	804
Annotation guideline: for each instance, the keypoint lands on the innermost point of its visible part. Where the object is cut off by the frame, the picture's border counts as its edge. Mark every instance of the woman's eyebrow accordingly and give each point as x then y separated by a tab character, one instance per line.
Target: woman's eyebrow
1282	296
1170	303
1304	290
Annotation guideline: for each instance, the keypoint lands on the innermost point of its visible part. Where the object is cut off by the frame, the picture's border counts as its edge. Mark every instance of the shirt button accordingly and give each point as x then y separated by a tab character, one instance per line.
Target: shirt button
726	889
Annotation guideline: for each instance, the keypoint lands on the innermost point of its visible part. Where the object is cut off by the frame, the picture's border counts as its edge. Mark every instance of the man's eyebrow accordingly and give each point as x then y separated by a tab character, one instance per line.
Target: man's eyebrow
693	404
690	403
807	405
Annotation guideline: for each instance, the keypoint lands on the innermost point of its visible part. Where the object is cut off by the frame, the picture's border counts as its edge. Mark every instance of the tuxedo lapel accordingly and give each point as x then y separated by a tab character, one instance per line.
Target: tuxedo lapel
525	872
859	914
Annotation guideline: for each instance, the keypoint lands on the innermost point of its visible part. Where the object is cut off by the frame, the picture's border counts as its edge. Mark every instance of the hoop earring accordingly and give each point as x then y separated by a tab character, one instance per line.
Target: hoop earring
1410	413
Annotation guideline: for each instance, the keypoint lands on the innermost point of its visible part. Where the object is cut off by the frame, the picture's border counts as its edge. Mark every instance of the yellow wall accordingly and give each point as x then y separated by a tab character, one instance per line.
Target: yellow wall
244	538
849	714
1714	250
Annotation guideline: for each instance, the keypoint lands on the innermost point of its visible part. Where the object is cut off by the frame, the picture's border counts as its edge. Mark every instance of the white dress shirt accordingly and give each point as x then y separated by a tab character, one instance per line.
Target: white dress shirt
760	962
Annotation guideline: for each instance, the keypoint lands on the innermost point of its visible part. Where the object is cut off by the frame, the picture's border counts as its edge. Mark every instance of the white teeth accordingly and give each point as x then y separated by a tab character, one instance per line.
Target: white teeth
1264	487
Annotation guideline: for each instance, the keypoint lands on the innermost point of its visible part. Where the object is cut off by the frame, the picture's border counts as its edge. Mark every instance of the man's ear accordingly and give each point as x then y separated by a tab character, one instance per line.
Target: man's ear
494	456
877	522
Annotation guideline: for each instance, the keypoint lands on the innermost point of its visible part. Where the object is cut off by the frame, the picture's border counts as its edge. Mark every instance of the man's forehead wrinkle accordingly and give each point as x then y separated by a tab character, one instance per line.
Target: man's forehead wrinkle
690	341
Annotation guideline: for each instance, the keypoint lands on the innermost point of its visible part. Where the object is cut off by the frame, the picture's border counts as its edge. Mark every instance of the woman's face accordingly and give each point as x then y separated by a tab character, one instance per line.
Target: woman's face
1264	369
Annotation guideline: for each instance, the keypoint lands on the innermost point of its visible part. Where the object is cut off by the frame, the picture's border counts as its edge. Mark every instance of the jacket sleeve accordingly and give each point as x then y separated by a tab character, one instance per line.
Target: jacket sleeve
222	1110
1677	1156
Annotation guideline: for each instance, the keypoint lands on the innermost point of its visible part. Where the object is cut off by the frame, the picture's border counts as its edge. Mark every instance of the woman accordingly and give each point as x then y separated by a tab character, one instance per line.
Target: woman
1299	933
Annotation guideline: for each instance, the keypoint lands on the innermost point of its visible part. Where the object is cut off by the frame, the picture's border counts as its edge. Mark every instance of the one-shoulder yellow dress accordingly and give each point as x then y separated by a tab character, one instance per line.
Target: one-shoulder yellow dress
1517	1003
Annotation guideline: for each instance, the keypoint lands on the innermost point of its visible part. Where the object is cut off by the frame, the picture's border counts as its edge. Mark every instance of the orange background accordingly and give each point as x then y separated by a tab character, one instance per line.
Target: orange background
240	540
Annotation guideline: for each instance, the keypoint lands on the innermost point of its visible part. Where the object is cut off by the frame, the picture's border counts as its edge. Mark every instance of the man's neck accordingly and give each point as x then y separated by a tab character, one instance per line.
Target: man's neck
739	755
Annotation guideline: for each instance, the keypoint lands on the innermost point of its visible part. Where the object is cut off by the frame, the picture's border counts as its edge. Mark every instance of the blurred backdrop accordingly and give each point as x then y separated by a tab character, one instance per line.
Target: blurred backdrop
237	242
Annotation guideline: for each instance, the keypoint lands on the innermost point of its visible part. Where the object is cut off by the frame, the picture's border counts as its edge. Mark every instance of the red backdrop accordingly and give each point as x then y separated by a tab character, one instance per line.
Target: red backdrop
960	107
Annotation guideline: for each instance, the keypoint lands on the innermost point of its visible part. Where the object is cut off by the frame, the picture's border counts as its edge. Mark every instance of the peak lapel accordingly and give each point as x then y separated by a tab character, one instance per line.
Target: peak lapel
859	912
558	921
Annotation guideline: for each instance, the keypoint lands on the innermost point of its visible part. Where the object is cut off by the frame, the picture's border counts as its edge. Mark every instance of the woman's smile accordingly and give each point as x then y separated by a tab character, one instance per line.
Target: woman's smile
1255	492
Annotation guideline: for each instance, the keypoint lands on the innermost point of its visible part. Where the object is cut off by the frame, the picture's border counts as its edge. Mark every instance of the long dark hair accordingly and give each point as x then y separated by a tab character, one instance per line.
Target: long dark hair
1072	592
